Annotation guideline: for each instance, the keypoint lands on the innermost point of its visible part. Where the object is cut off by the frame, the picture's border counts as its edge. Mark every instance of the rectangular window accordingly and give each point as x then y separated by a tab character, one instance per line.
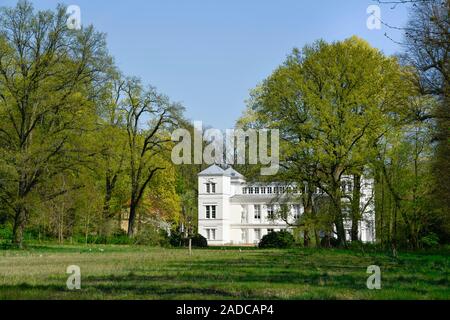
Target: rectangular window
256	190
263	190
244	190
270	213
244	236
250	190
210	212
269	190
244	217
257	234
296	209
275	190
257	212
210	188
210	234
269	230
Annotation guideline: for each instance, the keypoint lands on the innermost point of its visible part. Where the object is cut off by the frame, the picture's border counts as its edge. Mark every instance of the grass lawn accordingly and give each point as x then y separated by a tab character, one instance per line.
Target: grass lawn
126	272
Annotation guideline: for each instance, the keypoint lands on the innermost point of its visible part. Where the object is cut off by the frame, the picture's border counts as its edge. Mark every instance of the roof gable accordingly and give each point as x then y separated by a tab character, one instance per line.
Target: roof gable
213	170
233	173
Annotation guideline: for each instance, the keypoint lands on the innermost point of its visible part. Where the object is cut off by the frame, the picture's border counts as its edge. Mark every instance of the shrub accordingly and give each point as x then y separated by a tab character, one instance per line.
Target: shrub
5	233
176	239
430	240
280	239
328	241
198	241
152	236
120	239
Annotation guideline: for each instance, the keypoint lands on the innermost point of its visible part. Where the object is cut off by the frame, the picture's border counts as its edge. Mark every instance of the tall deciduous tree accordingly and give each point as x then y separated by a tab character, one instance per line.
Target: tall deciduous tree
331	103
47	77
427	44
148	116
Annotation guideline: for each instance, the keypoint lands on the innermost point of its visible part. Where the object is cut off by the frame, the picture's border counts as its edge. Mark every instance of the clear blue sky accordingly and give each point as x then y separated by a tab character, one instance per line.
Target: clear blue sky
208	54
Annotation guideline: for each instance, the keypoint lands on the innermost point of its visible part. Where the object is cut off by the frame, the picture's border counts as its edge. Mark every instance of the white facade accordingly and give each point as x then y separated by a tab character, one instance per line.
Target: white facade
232	212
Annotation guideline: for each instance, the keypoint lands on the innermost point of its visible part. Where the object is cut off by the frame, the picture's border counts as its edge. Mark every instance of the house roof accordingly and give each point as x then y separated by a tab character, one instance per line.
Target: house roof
213	170
216	170
233	173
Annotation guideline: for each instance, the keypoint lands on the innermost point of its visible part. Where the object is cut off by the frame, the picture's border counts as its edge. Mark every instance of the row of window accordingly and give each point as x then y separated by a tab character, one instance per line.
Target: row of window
211	234
347	186
257	233
269	190
271	212
212	209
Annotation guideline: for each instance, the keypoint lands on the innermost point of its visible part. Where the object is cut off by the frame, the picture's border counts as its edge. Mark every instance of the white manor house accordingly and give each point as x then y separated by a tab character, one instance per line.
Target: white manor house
234	212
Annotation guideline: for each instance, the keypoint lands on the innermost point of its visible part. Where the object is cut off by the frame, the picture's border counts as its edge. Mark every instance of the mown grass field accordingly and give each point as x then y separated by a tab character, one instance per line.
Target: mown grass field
126	272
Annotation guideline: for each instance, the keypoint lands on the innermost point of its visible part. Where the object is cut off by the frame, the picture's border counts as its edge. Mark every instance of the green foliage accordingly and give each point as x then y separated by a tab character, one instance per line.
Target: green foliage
152	236
279	239
199	241
73	161
5	232
177	239
430	241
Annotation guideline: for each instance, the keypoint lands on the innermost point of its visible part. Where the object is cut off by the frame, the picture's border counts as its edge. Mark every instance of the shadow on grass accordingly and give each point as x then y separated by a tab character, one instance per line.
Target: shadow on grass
127	289
252	275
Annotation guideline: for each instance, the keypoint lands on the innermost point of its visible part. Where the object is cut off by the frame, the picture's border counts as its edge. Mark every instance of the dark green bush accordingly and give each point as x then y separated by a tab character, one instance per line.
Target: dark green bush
178	240
5	232
198	241
431	240
280	239
328	241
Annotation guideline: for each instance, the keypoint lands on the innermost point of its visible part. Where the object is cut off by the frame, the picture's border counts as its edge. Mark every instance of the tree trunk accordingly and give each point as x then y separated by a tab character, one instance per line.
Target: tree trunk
106	211
20	216
132	218
308	212
338	218
19	226
317	238
306	238
381	227
356	200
